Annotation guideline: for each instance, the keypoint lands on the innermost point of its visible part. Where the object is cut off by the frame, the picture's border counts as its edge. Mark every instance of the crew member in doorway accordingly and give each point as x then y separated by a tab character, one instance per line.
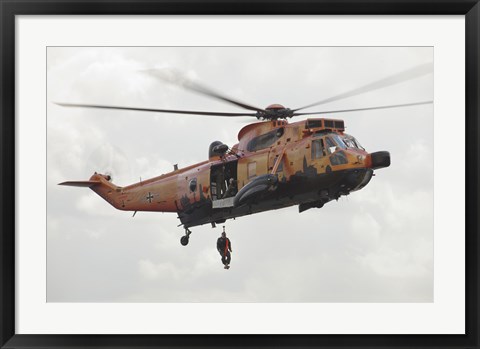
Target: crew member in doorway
224	247
232	188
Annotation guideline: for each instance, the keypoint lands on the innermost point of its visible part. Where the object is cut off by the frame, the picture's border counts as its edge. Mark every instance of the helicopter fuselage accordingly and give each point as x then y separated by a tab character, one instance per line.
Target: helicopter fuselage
276	164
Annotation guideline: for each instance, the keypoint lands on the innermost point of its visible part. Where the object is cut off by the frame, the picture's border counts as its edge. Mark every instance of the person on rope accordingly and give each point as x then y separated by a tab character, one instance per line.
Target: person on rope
224	247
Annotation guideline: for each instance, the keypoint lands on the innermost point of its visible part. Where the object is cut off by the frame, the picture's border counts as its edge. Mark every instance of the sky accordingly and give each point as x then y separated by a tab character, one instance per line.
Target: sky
375	245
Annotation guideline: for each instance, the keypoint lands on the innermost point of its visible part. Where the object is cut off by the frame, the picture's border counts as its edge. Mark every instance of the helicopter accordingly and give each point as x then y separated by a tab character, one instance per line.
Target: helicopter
275	164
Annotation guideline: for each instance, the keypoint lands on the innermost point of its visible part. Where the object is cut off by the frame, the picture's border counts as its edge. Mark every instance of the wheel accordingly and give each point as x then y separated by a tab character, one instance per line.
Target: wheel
184	240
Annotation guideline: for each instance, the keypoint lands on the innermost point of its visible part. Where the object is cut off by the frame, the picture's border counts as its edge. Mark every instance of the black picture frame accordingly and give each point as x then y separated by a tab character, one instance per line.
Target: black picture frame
10	8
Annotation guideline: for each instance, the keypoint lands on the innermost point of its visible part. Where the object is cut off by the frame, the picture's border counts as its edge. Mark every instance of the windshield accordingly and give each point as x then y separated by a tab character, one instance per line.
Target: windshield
338	140
351	142
334	143
358	144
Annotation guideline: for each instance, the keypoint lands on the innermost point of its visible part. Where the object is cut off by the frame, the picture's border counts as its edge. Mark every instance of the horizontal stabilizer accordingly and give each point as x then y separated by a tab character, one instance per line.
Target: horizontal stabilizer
86	184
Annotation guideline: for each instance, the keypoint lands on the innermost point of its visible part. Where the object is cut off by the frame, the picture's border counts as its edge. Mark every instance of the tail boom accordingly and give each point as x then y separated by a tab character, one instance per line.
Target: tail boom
140	197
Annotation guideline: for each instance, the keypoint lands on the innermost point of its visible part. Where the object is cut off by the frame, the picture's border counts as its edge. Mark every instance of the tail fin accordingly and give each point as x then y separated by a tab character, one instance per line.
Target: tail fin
101	185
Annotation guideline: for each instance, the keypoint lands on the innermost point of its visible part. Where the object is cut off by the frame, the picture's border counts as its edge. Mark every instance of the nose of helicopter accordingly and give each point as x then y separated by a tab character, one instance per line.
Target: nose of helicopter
378	160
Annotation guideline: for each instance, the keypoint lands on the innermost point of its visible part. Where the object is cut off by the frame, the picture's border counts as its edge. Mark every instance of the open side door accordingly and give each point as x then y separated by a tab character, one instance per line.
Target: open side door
220	175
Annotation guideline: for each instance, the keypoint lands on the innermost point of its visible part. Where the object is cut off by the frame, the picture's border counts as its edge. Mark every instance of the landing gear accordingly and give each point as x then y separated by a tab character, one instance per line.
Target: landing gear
184	239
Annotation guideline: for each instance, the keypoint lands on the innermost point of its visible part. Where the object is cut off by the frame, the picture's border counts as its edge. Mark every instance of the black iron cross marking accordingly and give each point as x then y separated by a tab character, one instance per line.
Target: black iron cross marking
149	197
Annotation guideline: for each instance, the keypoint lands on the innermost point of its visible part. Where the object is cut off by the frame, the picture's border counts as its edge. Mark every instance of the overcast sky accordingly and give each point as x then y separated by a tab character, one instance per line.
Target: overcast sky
376	245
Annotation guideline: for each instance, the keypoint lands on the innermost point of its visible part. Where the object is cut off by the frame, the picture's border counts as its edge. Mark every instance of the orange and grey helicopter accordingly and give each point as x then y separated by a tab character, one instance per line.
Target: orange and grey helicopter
275	164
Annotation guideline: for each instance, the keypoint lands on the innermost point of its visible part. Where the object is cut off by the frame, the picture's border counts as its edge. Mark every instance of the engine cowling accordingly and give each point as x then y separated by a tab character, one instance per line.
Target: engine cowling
217	148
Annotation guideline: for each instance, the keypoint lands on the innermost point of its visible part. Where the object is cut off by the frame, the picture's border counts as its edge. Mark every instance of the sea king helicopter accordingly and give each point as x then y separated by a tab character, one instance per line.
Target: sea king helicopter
275	163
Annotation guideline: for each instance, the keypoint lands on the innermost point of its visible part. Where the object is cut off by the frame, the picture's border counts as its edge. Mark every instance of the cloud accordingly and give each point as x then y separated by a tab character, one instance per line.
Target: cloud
390	262
152	271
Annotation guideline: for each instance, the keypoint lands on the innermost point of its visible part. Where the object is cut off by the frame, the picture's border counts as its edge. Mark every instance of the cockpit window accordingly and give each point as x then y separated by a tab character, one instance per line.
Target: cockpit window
358	143
334	142
330	145
351	142
339	141
317	149
265	140
330	142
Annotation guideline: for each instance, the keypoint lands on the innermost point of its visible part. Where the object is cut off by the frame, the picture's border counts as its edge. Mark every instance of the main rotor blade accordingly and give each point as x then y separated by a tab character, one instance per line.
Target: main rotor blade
361	109
176	78
406	75
172	111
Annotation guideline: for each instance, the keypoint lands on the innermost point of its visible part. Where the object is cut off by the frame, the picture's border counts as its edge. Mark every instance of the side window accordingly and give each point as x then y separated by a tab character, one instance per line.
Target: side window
339	158
265	140
252	169
330	145
317	149
192	185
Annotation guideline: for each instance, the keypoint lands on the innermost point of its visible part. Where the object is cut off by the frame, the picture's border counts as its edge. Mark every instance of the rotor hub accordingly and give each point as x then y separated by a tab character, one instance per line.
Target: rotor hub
274	112
275	107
